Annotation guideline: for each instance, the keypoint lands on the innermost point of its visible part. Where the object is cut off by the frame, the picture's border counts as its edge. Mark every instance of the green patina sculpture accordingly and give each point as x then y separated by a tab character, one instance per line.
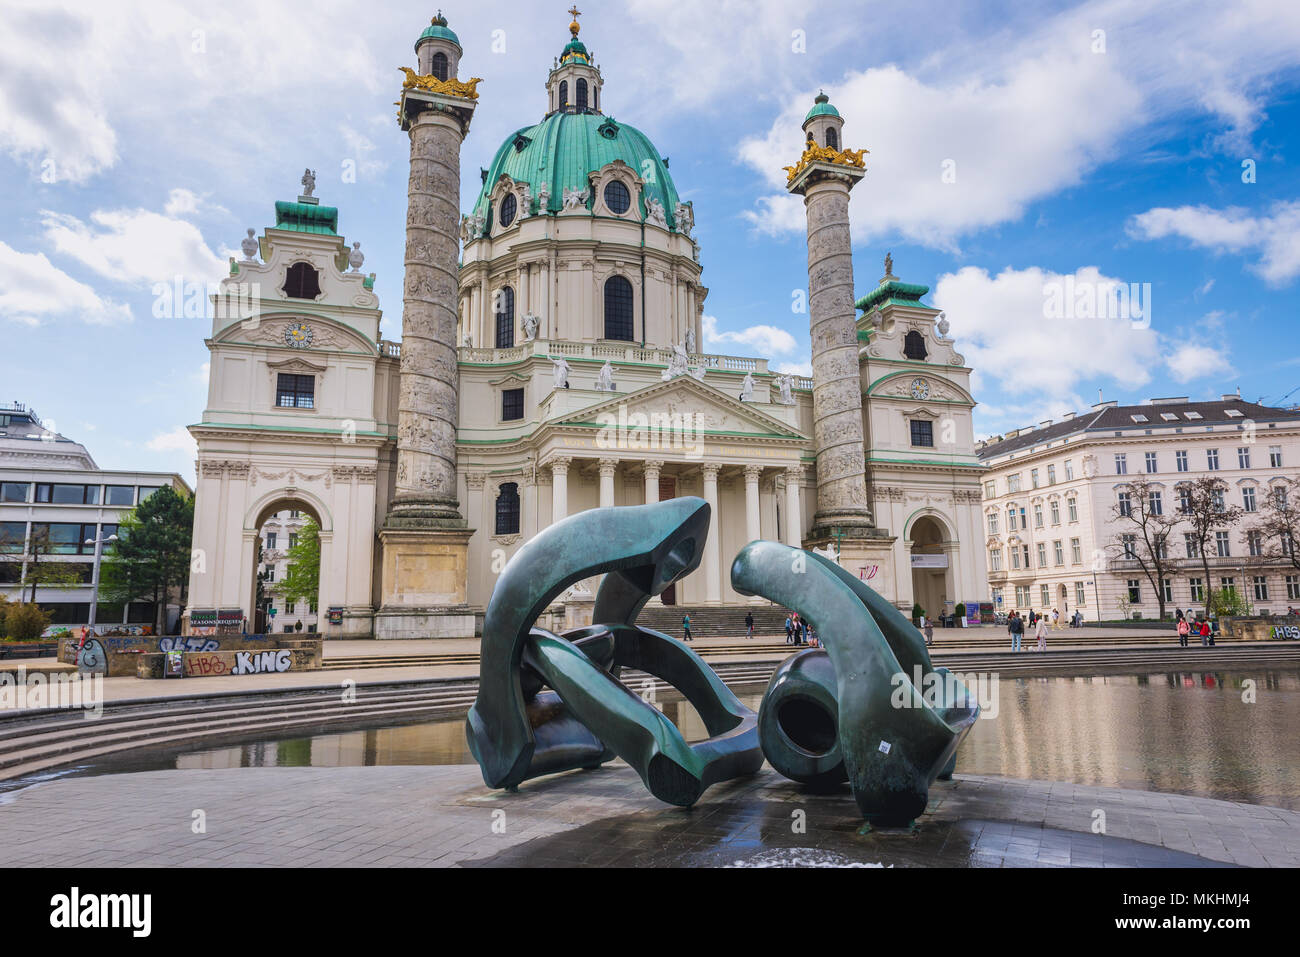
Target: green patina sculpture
853	712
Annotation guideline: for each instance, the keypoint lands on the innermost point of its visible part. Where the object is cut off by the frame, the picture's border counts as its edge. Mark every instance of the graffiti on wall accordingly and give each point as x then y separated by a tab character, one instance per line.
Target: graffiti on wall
262	662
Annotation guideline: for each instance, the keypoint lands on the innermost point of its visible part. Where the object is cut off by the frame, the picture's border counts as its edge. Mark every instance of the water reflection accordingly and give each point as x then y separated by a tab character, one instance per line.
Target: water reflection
1219	734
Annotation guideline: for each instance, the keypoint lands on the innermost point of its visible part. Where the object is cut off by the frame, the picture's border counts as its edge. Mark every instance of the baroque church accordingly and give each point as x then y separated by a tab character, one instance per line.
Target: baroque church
552	361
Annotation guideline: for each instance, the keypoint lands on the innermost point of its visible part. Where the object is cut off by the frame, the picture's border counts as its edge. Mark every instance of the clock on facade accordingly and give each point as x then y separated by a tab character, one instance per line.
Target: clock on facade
297	335
920	389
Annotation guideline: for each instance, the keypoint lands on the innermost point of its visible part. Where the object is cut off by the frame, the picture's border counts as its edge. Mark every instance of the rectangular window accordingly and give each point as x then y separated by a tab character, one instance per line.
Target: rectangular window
990	489
1011	520
1033	477
1212	459
1025	550
1155	504
270	574
1135	591
1072	506
14	491
270	540
13	536
1121	463
1255	543
923	433
1080	595
1193	546
1197	587
1051	475
1260	586
1022	595
997	596
1013	482
1042	554
1275	456
1248	498
147	490
1076	552
1130	547
1228	584
1045	595
1293	587
1038	516
1058	552
1184	499
295	391
1221	544
512	404
1151	462
1056	512
1180	460
993	523
1069	470
121	495
1015	557
1243	458
1023	522
995	559
61	538
1167	587
1125	504
293	539
57	494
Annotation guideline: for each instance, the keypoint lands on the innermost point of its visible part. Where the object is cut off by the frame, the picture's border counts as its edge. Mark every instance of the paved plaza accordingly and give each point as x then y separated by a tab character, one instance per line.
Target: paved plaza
445	817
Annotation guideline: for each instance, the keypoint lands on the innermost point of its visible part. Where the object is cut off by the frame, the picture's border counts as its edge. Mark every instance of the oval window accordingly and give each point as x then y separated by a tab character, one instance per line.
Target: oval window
617	198
509	206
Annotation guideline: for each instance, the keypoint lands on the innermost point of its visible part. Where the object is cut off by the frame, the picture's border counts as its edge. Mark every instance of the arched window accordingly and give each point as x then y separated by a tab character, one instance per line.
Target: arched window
564	94
618	309
582	95
301	282
914	345
617	198
440	65
832	140
508	509
509	206
504	307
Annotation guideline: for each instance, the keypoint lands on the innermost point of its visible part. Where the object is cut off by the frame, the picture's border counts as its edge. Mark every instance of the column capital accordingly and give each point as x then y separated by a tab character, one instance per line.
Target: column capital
475	480
653	465
559	463
753	473
794	472
608	467
710	471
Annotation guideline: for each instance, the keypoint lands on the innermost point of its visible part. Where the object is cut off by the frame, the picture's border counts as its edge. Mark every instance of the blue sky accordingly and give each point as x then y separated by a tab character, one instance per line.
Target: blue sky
1104	142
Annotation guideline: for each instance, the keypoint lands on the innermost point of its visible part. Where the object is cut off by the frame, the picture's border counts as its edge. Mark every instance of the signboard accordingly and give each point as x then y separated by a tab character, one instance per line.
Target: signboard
174	665
972	612
336	615
929	561
987	614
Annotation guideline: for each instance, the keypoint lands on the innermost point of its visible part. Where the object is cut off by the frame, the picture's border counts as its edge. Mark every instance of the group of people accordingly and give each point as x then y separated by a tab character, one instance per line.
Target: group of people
1188	626
799	631
1037	624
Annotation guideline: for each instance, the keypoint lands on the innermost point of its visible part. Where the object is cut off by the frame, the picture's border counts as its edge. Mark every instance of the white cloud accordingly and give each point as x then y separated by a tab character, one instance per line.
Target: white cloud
33	289
1191	362
134	245
176	440
763	340
797	368
1274	238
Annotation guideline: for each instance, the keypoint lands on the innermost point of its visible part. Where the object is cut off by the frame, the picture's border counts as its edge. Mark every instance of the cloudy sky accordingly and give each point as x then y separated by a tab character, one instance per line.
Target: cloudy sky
1013	147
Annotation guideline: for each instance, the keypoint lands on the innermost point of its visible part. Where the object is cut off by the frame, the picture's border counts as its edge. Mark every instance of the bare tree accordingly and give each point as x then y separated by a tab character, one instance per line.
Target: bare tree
34	553
1145	527
1204	507
1279	522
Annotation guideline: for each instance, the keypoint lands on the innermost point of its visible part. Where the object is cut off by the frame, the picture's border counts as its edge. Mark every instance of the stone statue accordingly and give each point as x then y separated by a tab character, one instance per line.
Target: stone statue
530	326
575	198
605	380
356	257
747	388
786	383
464	229
943	325
561	372
308	182
543	199
889	265
654	212
676	364
249	245
469	341
526	207
684	217
697	373
690	342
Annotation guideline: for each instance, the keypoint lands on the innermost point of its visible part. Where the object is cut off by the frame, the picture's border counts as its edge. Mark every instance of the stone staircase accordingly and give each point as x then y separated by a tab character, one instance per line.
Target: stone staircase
715	621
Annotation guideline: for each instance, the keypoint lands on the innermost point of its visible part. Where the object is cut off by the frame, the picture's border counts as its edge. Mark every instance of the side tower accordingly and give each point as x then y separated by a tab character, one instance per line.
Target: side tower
823	176
424	537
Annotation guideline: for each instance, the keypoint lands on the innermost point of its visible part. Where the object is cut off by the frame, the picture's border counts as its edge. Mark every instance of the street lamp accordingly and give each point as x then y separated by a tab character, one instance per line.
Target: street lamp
94	575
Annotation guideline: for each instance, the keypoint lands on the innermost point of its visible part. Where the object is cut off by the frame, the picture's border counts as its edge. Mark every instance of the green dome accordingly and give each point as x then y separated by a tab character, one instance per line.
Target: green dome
437	30
564	148
821	107
573	50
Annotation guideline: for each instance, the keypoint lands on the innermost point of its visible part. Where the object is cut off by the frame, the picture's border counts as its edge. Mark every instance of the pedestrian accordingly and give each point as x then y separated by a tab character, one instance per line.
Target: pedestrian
1183	629
1205	632
686	626
812	636
929	633
1042	634
1056	619
798	630
749	624
1015	628
789	629
1178	614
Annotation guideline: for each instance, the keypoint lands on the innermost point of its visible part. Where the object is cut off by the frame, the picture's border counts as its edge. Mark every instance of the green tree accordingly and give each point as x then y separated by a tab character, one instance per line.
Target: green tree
302	577
151	559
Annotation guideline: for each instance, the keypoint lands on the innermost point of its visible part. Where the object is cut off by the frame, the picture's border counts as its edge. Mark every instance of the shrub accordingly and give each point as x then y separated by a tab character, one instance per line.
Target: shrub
26	622
960	610
917	612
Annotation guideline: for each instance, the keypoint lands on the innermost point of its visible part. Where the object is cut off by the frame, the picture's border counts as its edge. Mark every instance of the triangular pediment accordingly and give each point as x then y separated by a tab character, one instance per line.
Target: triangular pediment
713	411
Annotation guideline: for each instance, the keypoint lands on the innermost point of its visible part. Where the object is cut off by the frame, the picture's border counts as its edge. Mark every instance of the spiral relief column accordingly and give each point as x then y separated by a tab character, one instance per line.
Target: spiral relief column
425	538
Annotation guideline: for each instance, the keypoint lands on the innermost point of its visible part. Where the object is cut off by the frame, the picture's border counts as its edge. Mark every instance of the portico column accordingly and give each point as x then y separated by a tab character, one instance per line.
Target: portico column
607	469
793	513
652	468
752	531
560	488
712	546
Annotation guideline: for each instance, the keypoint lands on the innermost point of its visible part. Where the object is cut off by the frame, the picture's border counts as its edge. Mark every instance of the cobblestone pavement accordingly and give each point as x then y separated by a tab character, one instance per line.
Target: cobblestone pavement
444	816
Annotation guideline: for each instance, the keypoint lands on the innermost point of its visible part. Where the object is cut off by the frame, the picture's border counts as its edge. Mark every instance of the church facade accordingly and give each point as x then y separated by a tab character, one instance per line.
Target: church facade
552	361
